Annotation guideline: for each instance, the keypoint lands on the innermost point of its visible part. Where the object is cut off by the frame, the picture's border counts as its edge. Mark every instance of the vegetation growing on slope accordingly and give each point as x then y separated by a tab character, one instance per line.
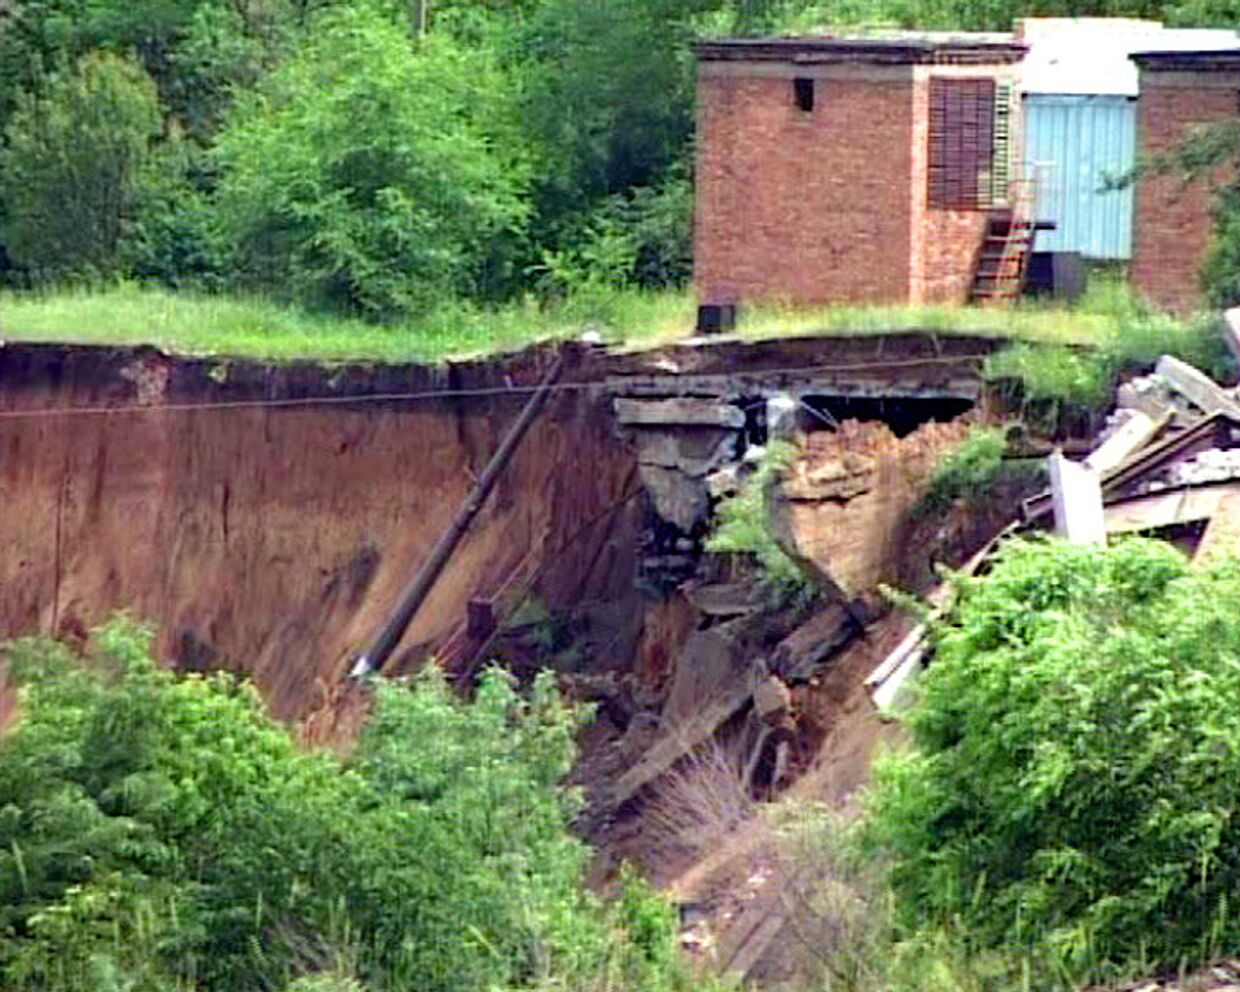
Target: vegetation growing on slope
163	833
743	526
1067	811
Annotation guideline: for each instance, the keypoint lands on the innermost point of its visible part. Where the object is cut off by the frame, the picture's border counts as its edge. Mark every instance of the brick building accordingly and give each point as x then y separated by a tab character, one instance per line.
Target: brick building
894	170
1179	91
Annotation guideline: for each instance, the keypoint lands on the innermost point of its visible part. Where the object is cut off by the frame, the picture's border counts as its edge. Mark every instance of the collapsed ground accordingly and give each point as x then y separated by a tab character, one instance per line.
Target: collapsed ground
212	503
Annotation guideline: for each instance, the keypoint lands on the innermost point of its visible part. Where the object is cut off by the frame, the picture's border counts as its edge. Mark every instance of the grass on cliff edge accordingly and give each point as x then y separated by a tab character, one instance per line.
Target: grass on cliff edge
253	327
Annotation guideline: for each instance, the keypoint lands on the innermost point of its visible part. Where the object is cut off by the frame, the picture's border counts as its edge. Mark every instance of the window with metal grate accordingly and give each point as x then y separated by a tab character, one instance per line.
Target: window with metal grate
962	143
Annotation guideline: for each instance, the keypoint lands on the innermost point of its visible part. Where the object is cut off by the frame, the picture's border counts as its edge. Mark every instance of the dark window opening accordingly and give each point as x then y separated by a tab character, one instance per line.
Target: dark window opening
903	414
962	143
803	91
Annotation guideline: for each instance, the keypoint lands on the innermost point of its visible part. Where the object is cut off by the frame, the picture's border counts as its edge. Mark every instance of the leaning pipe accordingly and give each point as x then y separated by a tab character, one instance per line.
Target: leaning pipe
411	600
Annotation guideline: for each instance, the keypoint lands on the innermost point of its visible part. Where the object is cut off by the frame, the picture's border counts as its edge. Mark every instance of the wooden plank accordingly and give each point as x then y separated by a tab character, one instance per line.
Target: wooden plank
1222	536
1076	495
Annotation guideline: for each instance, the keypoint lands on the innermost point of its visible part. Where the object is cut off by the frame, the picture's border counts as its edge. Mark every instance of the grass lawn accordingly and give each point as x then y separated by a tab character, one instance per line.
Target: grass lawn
252	327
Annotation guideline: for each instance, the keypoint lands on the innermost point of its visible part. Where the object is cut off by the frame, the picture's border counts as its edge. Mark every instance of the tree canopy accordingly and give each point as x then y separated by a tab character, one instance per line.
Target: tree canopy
379	156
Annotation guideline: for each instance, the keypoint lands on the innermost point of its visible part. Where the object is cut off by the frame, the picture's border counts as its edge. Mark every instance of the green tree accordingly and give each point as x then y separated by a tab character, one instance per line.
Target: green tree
1070	795
74	168
374	176
164	833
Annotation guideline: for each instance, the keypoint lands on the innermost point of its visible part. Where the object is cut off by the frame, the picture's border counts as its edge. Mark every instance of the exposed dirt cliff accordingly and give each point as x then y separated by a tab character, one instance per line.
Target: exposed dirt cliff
275	538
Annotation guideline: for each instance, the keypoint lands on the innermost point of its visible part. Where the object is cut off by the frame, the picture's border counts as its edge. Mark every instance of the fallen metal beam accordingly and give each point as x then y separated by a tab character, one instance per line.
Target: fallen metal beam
411	600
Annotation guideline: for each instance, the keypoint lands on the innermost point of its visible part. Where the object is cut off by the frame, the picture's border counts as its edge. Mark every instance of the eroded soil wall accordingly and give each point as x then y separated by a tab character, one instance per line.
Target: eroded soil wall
275	538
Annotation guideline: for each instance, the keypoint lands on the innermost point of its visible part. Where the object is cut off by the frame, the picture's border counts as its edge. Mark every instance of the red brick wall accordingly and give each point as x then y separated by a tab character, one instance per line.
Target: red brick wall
807	208
946	243
1172	224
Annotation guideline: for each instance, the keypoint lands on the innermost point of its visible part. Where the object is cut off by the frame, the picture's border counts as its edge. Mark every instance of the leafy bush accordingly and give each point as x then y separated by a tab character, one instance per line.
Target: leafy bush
742	526
1070	796
368	176
164	833
969	469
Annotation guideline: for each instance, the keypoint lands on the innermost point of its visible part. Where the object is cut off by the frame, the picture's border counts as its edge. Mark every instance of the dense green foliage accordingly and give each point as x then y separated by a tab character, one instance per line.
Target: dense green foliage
1070	796
384	158
162	833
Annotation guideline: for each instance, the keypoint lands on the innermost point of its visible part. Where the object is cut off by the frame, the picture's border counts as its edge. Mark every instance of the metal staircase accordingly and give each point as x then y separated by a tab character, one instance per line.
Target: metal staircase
1004	260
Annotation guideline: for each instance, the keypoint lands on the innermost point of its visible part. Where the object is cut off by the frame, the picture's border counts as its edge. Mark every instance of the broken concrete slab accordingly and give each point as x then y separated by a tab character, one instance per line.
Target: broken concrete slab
694	451
812	644
1231	331
772	701
725	599
1076	494
715	677
1136	431
678	412
1197	387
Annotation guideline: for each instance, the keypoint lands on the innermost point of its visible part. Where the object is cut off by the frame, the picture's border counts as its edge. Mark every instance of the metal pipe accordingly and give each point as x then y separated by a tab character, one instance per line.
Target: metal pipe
415	593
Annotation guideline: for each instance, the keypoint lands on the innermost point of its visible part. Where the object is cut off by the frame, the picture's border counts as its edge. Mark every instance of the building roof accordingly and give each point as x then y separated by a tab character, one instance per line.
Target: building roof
1201	60
903	48
1095	55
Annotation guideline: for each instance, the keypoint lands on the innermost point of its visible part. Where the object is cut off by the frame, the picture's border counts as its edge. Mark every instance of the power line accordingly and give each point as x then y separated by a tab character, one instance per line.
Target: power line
458	393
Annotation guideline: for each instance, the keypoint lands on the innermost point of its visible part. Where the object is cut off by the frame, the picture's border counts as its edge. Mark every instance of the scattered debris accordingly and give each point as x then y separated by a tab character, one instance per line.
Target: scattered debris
1169	458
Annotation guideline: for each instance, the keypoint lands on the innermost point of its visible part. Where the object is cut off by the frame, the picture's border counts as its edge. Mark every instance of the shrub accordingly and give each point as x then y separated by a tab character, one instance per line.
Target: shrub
164	833
369	176
743	526
968	470
1070	796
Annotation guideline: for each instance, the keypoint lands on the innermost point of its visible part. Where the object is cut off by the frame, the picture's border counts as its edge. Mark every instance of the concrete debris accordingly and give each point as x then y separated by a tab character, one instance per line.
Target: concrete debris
1231	331
1212	465
1197	387
781	416
725	482
678	412
1221	977
799	655
1076	494
679	498
694	452
1128	431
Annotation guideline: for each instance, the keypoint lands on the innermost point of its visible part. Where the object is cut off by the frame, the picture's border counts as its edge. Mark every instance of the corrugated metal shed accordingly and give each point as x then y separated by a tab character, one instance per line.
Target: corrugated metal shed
1080	90
1074	145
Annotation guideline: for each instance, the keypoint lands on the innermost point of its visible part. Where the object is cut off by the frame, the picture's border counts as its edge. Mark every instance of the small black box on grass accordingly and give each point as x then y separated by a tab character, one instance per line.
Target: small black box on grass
716	318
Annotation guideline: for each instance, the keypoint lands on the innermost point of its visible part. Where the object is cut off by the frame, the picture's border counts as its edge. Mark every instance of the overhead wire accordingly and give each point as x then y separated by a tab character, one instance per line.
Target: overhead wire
292	402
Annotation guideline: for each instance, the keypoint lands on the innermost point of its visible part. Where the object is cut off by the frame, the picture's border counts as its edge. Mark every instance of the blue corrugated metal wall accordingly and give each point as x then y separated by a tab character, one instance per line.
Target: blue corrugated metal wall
1075	143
